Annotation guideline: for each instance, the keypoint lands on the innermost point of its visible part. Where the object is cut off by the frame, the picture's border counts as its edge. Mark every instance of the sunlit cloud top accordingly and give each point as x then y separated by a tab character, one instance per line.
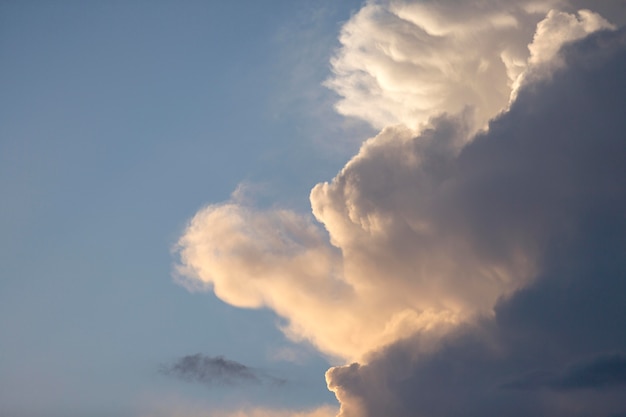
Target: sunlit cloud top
404	62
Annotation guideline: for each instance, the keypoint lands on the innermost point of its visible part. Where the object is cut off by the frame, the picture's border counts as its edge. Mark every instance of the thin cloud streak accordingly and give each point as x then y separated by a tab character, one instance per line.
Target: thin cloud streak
322	411
216	370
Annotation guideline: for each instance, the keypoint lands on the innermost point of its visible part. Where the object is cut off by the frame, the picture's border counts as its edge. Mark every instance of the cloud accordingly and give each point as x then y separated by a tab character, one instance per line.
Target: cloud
548	176
412	249
216	370
201	411
606	370
454	266
403	62
601	371
556	30
323	411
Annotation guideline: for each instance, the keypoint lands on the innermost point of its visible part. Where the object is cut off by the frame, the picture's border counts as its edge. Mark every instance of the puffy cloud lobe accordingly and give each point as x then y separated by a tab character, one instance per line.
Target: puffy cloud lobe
387	211
557	29
276	259
403	62
550	171
251	257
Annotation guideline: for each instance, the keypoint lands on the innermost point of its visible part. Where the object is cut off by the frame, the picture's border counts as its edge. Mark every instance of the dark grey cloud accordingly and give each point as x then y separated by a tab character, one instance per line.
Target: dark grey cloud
216	370
548	177
599	372
607	370
615	10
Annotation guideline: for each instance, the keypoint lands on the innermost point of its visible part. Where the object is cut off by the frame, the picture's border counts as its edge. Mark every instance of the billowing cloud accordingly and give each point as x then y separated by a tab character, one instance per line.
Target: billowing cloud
403	62
548	174
216	370
399	240
389	272
557	29
465	273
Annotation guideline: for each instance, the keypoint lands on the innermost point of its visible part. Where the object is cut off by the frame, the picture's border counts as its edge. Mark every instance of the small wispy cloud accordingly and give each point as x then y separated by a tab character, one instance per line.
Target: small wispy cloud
216	371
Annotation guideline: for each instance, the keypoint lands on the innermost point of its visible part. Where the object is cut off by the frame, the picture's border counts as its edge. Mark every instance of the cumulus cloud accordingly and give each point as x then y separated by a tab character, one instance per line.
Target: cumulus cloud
556	30
216	370
403	62
386	212
399	245
394	265
549	172
447	261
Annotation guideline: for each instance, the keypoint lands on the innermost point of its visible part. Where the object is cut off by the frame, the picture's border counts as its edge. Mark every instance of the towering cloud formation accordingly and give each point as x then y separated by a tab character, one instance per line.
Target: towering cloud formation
488	267
547	179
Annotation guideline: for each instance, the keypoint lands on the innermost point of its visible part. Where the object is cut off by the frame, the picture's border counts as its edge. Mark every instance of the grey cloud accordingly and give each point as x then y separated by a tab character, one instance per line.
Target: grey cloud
216	370
602	371
547	177
607	370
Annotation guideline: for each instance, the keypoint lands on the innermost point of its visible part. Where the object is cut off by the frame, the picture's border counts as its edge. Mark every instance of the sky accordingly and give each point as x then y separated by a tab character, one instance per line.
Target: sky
312	208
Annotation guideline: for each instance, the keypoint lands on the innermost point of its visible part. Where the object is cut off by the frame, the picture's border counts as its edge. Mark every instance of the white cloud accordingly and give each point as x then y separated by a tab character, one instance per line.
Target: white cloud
559	28
403	62
556	30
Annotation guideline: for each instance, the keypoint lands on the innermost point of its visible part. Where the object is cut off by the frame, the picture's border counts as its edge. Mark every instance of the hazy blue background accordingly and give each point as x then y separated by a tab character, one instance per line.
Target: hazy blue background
118	121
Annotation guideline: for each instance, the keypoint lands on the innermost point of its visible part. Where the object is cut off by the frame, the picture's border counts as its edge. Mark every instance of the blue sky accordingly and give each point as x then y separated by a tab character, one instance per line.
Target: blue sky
472	248
119	120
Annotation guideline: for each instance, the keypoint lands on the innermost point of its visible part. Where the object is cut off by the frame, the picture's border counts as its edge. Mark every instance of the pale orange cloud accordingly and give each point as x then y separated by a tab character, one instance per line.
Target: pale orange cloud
395	263
199	411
